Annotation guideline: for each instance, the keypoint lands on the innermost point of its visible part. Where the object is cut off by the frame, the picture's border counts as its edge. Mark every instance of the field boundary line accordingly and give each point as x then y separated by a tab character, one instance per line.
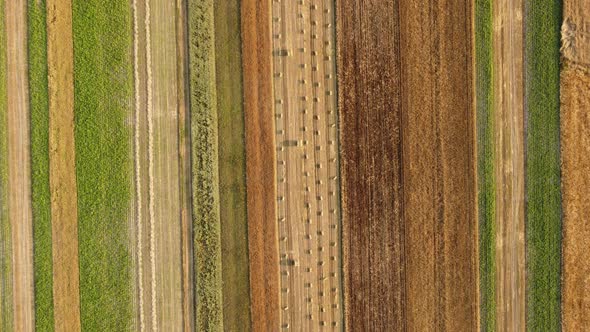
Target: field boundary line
137	167
151	163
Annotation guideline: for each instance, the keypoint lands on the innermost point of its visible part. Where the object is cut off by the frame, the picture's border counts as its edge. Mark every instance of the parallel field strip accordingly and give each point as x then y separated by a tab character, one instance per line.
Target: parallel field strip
509	142
542	165
18	157
157	165
307	183
5	243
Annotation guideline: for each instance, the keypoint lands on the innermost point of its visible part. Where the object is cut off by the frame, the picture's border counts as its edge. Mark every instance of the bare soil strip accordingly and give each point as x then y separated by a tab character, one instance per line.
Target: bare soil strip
408	165
575	152
184	151
19	181
370	137
370	120
62	169
260	165
304	77
509	141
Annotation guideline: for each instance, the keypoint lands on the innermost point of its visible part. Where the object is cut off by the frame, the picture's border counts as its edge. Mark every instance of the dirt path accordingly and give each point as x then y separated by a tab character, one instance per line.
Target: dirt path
575	152
19	181
509	141
62	169
307	175
184	153
158	202
260	165
408	165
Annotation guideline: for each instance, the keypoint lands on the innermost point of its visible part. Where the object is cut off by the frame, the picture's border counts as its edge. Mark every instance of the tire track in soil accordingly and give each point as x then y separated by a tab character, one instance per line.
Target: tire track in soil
150	134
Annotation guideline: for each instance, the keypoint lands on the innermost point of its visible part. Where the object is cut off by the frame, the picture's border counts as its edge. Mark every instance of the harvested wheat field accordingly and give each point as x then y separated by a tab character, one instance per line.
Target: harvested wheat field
309	165
575	140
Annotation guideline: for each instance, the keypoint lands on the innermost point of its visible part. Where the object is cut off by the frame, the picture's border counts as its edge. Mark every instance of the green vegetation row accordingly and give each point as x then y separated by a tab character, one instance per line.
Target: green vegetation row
103	88
5	237
232	166
543	210
204	154
39	108
485	162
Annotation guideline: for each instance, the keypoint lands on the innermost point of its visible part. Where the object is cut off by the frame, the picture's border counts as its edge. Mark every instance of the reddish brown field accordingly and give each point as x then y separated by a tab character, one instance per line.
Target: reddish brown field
407	164
260	165
575	152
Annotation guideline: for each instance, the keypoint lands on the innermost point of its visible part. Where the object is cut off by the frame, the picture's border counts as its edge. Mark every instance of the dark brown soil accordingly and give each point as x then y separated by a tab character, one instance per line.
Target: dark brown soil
408	165
260	165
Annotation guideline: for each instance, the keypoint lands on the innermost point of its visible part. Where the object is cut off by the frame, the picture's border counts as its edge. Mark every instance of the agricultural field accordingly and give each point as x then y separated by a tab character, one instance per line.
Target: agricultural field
575	140
247	165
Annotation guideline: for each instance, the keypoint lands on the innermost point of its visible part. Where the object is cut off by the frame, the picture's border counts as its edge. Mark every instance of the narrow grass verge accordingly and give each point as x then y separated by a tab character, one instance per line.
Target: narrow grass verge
485	162
543	210
103	101
204	131
41	202
232	167
5	237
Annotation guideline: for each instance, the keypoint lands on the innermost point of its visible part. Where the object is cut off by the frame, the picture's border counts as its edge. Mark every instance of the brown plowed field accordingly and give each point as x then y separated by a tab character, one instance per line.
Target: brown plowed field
19	181
575	154
260	165
62	168
406	98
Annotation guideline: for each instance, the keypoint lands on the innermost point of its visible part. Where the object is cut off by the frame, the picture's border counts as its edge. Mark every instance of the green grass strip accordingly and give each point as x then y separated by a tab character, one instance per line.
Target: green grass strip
103	101
39	108
5	234
485	162
204	127
232	167
543	210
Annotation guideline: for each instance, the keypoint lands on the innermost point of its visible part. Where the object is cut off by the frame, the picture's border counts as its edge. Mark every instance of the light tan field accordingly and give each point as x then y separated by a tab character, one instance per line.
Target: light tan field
62	168
509	142
159	206
304	78
19	181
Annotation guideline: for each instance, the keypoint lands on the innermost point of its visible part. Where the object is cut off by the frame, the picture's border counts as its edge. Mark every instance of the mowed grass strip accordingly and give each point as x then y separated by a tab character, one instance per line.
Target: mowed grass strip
103	100
485	163
5	232
39	108
204	131
543	211
232	167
